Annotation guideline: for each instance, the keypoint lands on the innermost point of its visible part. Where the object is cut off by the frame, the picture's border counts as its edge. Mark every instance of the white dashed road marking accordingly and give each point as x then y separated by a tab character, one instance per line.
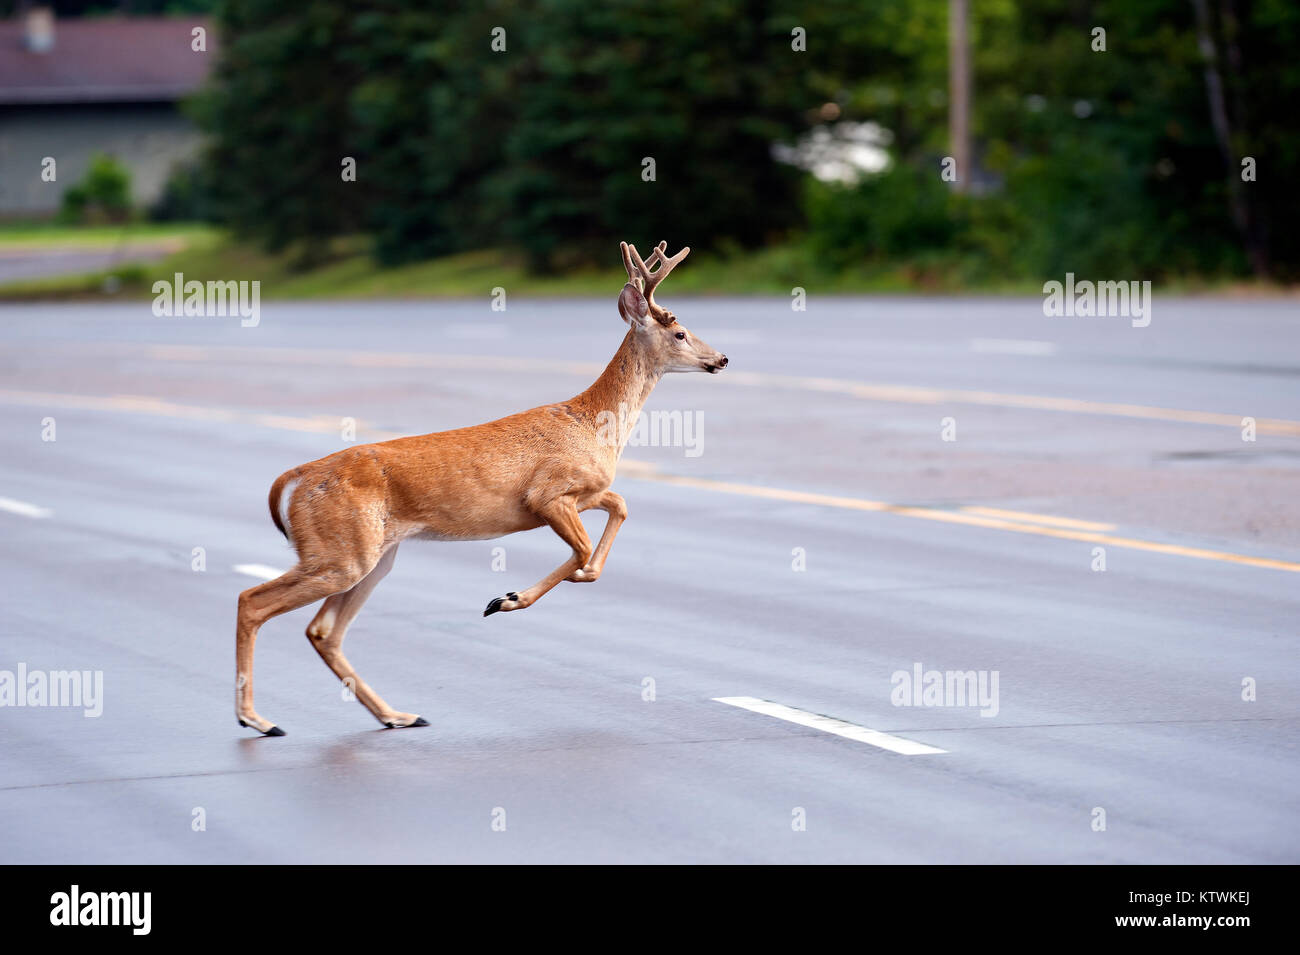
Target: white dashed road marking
827	724
23	508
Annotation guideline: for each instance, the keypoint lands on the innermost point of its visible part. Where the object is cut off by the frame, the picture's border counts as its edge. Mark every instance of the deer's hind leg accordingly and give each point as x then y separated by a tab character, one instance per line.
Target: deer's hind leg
330	626
327	565
296	587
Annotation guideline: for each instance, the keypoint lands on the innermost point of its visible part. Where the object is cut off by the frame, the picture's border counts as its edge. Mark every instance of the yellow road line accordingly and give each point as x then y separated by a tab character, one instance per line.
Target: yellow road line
992	518
1039	518
137	404
975	520
359	359
908	394
895	394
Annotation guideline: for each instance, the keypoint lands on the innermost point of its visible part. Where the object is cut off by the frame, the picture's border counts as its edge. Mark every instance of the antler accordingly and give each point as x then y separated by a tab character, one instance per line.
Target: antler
639	274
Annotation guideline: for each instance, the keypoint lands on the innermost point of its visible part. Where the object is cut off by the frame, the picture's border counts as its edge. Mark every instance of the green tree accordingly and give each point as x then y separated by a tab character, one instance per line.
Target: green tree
102	194
279	114
458	144
695	90
1123	160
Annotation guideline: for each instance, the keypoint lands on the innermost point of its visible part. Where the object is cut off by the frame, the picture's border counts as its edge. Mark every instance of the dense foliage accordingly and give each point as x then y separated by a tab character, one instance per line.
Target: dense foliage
1089	161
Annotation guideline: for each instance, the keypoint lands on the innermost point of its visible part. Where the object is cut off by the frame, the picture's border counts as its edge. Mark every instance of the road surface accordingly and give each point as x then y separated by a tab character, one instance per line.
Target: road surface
873	486
18	263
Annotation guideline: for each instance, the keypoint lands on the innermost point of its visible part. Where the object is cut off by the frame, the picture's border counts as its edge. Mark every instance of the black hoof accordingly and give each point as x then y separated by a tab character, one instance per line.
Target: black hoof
419	721
495	603
275	731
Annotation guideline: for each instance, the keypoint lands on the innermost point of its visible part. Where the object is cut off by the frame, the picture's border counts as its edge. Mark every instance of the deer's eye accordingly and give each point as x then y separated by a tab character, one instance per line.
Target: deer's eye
681	336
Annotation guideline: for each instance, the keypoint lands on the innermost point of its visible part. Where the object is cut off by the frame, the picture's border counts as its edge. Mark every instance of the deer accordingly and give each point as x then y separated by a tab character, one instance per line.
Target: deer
346	514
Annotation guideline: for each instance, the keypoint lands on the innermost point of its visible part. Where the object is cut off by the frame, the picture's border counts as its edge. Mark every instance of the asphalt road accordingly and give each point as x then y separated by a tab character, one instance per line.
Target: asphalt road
821	446
39	261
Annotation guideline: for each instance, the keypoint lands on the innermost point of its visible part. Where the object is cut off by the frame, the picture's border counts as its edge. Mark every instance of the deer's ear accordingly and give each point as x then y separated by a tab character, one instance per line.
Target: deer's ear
632	305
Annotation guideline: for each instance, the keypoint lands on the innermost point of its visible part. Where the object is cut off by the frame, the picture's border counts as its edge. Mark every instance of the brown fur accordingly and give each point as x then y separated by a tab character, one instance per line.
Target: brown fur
349	511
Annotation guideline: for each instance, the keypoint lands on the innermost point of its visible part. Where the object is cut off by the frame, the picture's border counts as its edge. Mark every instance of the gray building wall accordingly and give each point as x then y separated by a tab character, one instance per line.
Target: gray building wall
147	138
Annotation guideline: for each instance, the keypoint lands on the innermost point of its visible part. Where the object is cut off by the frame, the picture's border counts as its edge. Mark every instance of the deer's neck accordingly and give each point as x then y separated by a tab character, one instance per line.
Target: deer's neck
622	388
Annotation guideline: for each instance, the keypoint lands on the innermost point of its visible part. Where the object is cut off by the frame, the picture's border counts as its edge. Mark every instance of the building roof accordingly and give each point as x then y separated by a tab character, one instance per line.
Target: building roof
105	60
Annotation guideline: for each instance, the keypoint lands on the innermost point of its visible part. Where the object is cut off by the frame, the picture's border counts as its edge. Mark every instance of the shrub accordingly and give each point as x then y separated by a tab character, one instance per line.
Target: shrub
102	195
188	196
897	213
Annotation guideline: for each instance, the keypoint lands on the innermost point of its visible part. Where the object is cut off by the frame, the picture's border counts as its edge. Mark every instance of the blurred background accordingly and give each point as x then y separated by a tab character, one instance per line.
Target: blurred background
791	144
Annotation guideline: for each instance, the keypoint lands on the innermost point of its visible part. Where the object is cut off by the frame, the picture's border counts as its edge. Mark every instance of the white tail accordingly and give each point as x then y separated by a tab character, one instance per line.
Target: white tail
346	514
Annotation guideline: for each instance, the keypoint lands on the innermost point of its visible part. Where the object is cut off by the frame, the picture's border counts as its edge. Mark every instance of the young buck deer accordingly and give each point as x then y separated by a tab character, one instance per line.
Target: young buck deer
346	514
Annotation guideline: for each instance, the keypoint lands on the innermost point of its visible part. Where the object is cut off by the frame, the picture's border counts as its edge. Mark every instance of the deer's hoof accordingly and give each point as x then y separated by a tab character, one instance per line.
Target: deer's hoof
495	603
397	725
273	731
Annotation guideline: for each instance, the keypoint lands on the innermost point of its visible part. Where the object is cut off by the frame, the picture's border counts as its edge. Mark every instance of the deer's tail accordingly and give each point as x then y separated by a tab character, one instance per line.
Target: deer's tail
278	501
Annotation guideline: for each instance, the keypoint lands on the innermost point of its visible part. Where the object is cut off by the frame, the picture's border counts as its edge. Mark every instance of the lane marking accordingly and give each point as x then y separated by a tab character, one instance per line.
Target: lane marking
137	404
908	394
905	394
1011	346
974	520
1039	518
1046	526
827	724
23	508
358	359
261	571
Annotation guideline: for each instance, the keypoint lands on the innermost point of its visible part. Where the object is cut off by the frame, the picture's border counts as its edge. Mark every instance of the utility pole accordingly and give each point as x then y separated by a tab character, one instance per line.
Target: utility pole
959	91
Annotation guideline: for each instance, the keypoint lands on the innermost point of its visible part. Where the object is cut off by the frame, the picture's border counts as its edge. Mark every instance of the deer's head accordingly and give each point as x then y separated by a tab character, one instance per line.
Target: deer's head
670	345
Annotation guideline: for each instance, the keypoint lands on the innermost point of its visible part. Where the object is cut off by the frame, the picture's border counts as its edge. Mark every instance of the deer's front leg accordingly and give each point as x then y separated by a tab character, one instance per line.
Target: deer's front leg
614	506
562	516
